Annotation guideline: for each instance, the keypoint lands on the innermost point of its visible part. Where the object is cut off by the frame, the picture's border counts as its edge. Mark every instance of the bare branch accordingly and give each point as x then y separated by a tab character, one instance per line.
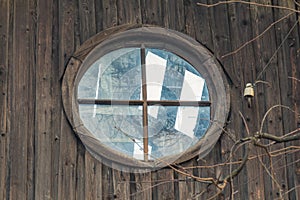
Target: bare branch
295	79
257	37
279	139
270	109
248	3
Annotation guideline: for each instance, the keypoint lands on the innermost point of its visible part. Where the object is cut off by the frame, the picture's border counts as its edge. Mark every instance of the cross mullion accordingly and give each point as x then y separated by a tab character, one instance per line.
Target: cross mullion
141	102
145	110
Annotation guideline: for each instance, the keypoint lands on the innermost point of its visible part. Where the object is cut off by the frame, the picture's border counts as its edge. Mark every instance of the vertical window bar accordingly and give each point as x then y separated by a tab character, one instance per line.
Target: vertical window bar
145	111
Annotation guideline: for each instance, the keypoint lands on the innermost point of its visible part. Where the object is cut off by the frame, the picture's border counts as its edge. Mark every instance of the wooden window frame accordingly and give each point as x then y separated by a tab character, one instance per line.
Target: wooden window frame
152	37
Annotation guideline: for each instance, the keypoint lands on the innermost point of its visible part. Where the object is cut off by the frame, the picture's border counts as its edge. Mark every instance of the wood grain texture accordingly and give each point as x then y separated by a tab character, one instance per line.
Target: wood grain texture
4	28
22	101
285	70
42	158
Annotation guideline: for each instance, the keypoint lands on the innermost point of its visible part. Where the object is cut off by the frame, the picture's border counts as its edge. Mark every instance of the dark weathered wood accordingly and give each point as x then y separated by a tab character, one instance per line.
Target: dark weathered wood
67	12
81	167
22	101
129	12
202	25
242	61
45	106
56	103
107	183
284	72
4	27
261	56
151	12
121	184
186	185
141	188
163	184
87	19
110	13
67	179
42	158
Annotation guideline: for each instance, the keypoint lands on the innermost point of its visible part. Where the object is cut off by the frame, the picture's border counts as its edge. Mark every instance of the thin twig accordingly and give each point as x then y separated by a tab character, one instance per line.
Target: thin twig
266	114
276	51
248	3
257	37
270	173
295	79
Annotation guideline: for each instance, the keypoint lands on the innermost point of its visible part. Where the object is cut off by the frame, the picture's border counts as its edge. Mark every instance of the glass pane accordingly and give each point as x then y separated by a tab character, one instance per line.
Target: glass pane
173	129
116	126
116	75
170	77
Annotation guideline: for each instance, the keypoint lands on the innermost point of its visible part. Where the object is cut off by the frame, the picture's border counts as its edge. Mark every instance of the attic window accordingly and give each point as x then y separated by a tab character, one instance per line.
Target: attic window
145	97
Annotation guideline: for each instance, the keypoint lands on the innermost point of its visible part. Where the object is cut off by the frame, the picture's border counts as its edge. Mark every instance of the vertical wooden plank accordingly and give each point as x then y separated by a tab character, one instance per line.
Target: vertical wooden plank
170	14
31	30
67	29
189	7
67	141
56	103
81	179
86	19
44	114
151	12
179	17
22	101
186	185
4	26
168	11
219	23
107	183
234	127
259	23
121	183
67	165
295	63
110	15
202	191
243	62
99	12
202	25
143	188
284	64
90	177
98	181
219	20
164	178
129	12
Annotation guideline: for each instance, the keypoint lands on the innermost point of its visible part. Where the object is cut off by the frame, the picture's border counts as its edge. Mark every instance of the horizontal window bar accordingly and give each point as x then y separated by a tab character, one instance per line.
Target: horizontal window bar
178	103
140	102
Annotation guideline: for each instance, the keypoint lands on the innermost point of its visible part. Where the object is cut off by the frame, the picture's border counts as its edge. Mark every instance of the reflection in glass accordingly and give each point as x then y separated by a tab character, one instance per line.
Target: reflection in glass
118	76
173	129
114	76
115	126
170	77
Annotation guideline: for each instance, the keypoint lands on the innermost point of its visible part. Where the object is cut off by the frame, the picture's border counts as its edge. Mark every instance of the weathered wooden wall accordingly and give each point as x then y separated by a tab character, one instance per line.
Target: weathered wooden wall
41	158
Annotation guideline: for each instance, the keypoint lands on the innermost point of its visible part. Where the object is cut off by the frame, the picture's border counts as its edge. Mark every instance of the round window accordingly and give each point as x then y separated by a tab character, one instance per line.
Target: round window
145	97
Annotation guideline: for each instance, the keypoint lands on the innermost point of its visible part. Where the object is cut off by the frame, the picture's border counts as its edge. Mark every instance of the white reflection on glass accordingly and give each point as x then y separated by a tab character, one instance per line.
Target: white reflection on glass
169	134
171	129
186	120
138	152
155	72
192	87
116	75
